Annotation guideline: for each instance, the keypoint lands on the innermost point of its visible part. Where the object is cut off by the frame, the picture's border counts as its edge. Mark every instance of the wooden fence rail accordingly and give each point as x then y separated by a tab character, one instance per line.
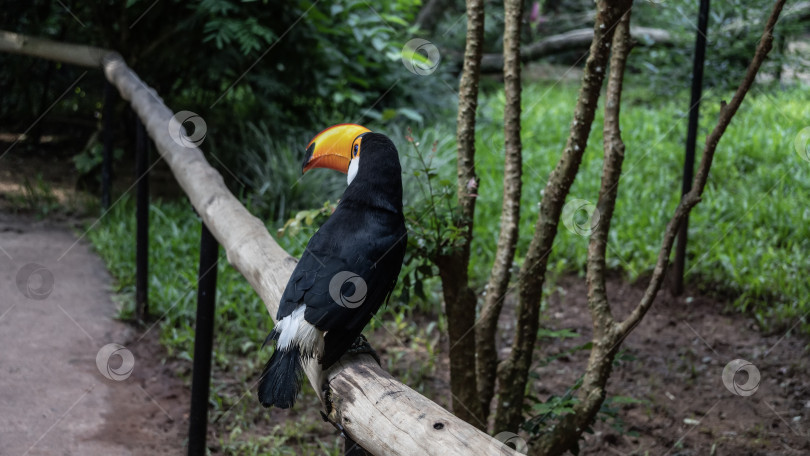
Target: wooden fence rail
377	411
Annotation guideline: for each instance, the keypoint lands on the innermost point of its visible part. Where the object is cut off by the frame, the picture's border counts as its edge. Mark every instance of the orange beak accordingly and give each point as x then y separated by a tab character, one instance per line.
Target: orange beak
334	147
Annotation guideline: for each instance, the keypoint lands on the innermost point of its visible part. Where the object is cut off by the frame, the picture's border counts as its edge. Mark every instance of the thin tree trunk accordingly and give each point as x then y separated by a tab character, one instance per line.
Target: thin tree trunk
430	14
487	326
513	372
608	335
591	394
460	300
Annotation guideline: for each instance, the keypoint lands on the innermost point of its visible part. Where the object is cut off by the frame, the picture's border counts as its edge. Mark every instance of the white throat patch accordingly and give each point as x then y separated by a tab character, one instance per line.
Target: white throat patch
354	165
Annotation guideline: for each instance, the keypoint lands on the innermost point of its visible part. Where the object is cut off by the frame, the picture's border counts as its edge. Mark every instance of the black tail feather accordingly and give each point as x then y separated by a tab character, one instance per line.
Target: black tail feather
281	379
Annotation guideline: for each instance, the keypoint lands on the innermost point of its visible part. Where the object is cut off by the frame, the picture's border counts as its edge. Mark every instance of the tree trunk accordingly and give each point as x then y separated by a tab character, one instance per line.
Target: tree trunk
605	337
460	300
513	372
608	335
487	326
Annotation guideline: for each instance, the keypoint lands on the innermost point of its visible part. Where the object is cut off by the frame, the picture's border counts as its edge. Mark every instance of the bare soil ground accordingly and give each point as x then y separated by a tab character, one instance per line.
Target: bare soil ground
671	366
676	360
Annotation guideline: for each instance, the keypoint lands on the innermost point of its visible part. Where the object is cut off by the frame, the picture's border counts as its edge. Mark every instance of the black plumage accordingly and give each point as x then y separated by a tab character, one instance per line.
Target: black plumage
281	379
366	236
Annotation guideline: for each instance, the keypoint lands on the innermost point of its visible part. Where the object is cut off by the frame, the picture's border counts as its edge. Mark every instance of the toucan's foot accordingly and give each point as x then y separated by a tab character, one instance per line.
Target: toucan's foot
327	400
360	346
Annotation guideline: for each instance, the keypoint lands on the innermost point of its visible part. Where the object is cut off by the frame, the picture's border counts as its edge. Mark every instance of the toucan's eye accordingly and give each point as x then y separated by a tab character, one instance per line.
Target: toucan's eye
355	150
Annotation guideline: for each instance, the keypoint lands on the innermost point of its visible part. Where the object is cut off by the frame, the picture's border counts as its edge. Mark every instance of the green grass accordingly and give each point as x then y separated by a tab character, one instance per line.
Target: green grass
748	238
241	320
750	234
287	439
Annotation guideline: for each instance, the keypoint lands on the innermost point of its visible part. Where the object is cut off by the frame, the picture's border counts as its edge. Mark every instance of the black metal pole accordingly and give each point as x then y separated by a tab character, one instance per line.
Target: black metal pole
142	217
107	125
691	139
203	343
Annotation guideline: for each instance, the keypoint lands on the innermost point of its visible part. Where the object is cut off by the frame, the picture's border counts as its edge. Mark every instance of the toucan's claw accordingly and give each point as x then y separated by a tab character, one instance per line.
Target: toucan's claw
360	346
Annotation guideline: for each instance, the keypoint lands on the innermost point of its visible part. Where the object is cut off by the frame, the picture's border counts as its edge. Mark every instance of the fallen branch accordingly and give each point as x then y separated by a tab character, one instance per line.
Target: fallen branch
574	40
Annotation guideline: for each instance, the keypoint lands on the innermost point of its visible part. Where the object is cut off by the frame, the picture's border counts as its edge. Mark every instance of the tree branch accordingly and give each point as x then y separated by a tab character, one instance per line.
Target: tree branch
611	173
513	372
699	183
487	362
608	335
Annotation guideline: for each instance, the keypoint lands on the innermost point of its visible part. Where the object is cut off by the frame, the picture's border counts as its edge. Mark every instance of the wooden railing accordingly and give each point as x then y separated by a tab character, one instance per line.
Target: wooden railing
377	411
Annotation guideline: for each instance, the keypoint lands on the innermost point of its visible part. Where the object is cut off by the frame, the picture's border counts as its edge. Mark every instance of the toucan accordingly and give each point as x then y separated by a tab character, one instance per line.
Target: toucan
350	265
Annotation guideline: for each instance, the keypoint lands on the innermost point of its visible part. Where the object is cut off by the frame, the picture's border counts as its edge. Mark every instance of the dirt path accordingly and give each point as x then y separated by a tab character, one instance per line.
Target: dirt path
56	315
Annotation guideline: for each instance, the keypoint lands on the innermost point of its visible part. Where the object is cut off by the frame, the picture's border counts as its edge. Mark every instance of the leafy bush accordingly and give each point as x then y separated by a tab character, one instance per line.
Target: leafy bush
288	68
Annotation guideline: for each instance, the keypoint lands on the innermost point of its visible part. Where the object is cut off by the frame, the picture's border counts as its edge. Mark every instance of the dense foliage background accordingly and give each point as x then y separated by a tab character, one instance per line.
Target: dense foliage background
267	75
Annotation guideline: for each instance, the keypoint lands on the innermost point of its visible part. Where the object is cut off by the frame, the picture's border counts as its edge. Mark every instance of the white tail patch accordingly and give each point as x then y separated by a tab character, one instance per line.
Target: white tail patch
294	329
